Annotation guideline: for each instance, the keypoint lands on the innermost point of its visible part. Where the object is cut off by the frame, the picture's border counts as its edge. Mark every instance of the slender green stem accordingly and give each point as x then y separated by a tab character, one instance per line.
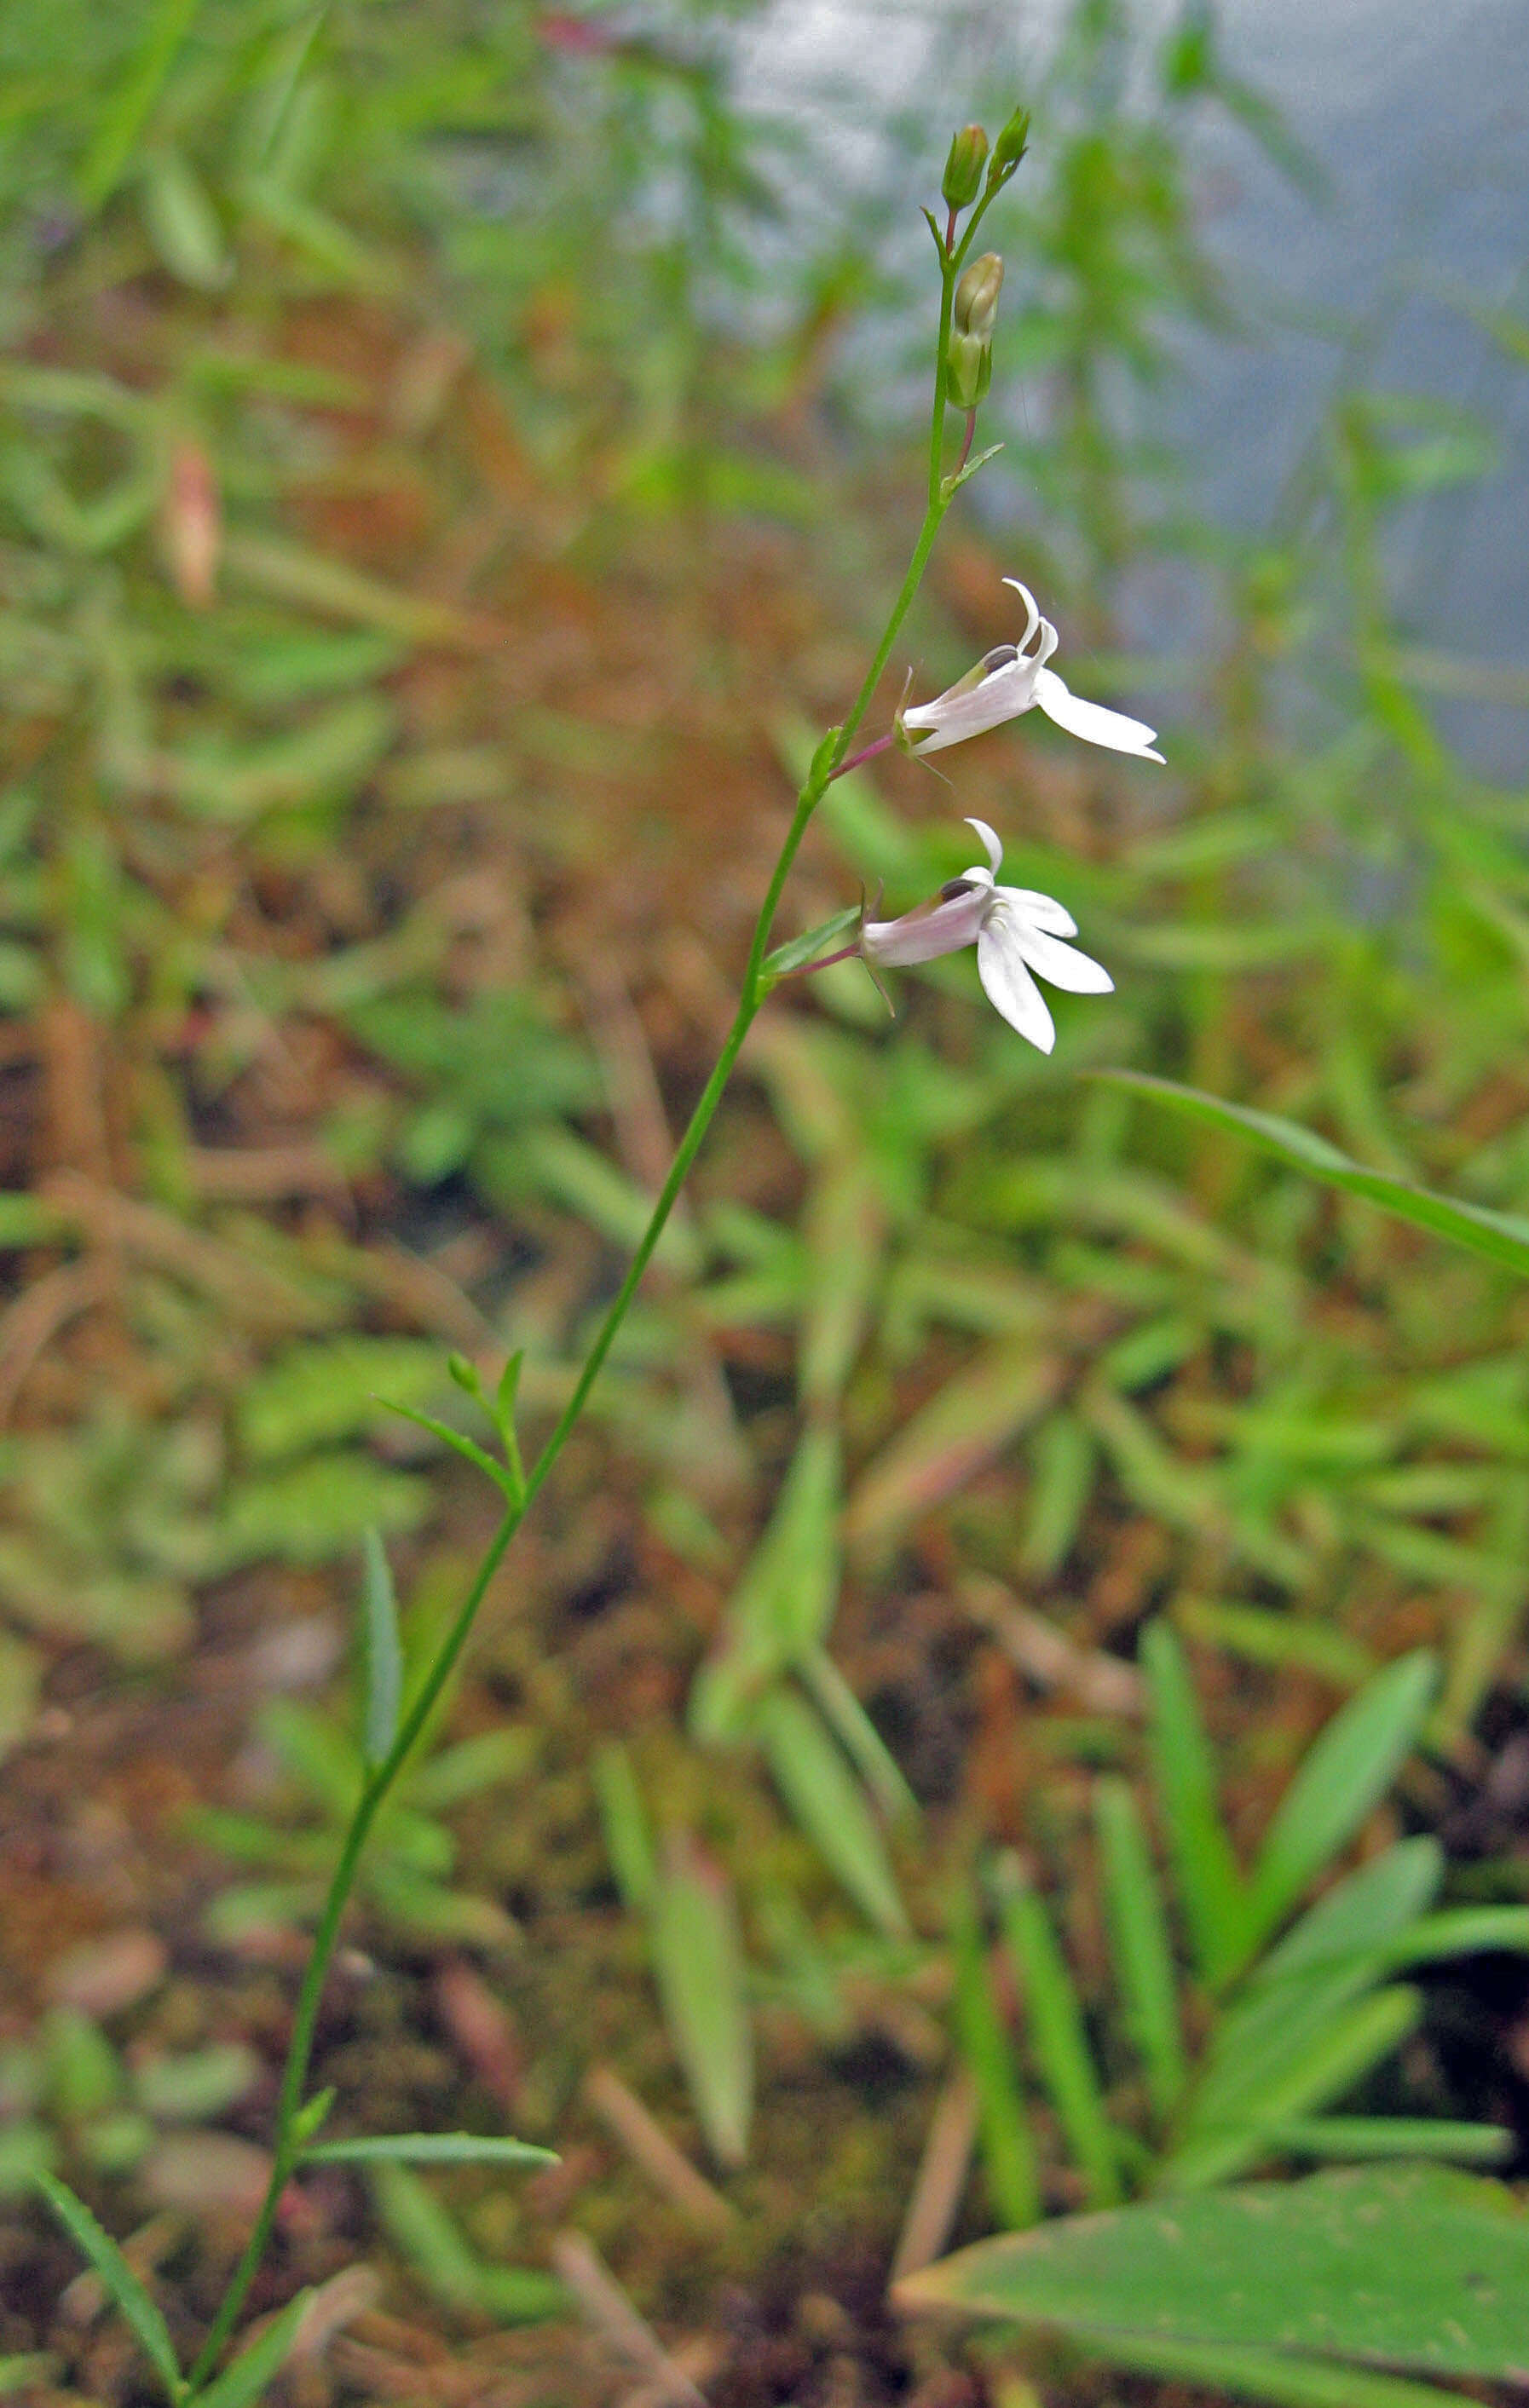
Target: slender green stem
755	987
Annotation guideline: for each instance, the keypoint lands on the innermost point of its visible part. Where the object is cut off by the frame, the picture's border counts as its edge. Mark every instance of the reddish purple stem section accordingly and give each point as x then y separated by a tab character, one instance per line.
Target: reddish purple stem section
866	753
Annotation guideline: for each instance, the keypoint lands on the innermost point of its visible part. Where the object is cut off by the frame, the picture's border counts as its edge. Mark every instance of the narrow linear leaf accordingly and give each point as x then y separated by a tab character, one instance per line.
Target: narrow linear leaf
1347	1772
697	1960
1274	2375
383	1655
1393	2137
426	2235
814	1779
1138	1930
256	2368
628	1840
1060	2041
1210	1885
1008	2147
131	98
430	2149
1339	2055
1502	1237
122	2287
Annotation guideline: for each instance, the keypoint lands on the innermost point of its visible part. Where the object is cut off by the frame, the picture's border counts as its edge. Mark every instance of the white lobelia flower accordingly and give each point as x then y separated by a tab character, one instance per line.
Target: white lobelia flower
1018	934
1012	679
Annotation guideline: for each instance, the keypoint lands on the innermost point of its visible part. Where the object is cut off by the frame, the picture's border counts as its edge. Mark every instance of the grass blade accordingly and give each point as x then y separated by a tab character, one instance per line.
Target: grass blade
1214	1898
381	1652
1138	1927
1060	2041
1347	1772
827	1800
1336	2057
122	2287
132	98
699	1961
430	2149
1502	1237
1008	2147
1395	2136
628	1842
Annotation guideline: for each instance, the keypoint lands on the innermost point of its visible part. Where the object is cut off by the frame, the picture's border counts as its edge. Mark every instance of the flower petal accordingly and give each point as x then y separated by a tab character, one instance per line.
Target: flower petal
1009	987
1092	721
1061	965
955	715
924	935
994	850
1039	910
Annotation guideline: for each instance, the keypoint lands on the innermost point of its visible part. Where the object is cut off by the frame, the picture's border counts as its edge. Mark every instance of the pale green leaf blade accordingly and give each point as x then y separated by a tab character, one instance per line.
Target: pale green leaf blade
813	1778
697	1960
382	1651
430	2149
122	2287
1008	2147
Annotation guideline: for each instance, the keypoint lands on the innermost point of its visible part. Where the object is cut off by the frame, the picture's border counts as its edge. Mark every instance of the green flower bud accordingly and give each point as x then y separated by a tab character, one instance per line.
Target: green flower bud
1009	149
963	168
975	306
969	369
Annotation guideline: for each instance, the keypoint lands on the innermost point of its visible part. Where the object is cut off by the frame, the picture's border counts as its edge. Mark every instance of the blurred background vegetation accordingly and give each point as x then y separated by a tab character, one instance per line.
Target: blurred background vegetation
452	459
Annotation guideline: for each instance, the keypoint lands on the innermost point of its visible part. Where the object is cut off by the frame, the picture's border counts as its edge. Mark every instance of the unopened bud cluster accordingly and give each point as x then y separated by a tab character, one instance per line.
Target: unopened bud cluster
973	315
968	354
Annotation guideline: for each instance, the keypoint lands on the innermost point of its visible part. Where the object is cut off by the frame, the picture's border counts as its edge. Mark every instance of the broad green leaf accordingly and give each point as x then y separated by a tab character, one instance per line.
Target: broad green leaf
1059	2044
1138	1928
1008	2147
1502	1237
697	1960
818	1784
430	2149
250	2375
382	1653
1409	2265
1346	1773
122	2287
1210	1885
